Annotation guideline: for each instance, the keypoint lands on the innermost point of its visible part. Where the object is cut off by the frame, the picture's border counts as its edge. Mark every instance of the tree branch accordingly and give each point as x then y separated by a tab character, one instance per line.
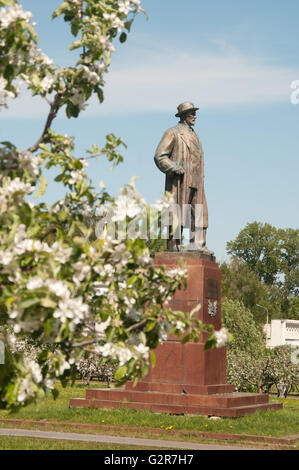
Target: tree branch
54	107
136	325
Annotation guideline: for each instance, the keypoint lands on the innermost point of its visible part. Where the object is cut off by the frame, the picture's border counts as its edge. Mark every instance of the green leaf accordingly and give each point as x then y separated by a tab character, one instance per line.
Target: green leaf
120	373
9	72
55	393
196	309
8	144
29	301
150	325
42	187
186	338
100	95
48	303
33	33
131	280
43	356
72	110
12	392
75	28
144	370
135	382
60	9
123	37
48	326
75	45
62	215
7	2
153	358
26	214
210	343
128	24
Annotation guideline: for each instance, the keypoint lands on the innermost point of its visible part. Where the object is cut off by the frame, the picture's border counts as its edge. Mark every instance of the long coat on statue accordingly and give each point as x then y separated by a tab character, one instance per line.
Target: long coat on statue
181	147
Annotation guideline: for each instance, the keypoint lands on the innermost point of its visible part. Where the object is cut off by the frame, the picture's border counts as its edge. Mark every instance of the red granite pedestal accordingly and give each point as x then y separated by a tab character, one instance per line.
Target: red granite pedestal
186	379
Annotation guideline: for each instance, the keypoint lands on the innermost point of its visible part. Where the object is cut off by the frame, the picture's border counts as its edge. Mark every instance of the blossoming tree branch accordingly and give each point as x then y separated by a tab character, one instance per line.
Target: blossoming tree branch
71	294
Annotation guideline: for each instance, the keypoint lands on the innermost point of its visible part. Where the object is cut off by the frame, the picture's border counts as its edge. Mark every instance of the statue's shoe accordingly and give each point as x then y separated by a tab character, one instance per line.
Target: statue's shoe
199	248
206	251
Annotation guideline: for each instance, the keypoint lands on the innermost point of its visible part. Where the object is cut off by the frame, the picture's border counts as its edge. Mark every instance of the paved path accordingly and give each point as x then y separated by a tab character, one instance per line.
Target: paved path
134	441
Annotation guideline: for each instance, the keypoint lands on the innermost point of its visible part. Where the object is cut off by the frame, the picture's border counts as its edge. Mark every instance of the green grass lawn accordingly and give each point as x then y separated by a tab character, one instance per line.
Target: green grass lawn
270	423
30	443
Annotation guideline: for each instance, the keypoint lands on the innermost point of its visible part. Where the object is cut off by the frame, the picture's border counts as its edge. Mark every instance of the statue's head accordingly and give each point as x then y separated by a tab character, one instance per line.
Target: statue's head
187	113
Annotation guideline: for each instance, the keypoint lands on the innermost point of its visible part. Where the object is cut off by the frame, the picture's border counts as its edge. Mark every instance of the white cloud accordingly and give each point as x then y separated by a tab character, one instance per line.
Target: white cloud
156	80
25	106
212	81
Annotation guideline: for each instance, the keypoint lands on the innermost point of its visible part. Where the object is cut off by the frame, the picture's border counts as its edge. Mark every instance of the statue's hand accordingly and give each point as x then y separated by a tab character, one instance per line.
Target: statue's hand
179	170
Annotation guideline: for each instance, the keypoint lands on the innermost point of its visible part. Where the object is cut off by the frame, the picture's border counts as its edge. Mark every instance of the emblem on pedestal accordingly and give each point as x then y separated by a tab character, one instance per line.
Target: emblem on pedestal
212	308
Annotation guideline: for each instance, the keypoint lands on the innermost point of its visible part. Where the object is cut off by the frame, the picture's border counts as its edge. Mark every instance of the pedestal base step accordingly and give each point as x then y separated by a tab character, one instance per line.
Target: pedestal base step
226	405
143	386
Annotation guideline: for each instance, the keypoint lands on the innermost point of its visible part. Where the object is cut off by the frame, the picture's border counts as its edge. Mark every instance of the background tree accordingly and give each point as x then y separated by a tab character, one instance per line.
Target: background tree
289	267
250	366
247	334
240	283
258	246
273	256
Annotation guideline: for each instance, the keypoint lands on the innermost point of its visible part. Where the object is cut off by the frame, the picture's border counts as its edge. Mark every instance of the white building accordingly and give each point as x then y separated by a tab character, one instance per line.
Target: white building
281	332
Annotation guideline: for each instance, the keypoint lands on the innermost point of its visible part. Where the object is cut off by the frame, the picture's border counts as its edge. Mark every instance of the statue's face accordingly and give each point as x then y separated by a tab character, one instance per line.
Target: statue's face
190	118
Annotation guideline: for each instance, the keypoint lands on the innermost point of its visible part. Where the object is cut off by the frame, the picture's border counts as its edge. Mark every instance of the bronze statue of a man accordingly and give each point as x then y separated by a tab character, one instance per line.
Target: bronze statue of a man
180	156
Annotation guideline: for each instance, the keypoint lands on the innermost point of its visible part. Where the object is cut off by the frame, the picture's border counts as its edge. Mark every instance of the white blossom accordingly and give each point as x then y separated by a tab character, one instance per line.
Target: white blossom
13	314
91	76
123	355
101	327
35	371
118	24
177	272
11	14
23	246
78	98
58	288
105	350
179	325
145	259
109	16
76	175
4	94
17	329
35	283
84	162
221	337
6	257
12	186
47	82
142	350
24	390
29	162
164	203
62	254
82	271
137	5
72	309
124	7
125	206
44	59
63	366
28	244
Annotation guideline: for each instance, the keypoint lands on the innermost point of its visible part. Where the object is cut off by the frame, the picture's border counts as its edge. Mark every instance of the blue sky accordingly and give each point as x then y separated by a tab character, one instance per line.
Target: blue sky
235	60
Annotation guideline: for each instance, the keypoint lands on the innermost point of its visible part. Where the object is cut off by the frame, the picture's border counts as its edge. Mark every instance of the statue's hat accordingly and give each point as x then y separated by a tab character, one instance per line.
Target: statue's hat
185	107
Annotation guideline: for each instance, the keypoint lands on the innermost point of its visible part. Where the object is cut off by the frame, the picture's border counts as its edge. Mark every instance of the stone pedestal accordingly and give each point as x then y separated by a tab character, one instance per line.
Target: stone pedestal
186	379
196	370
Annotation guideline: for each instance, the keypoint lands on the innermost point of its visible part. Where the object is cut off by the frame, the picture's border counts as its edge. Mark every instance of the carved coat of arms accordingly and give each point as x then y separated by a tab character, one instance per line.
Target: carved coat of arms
212	307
